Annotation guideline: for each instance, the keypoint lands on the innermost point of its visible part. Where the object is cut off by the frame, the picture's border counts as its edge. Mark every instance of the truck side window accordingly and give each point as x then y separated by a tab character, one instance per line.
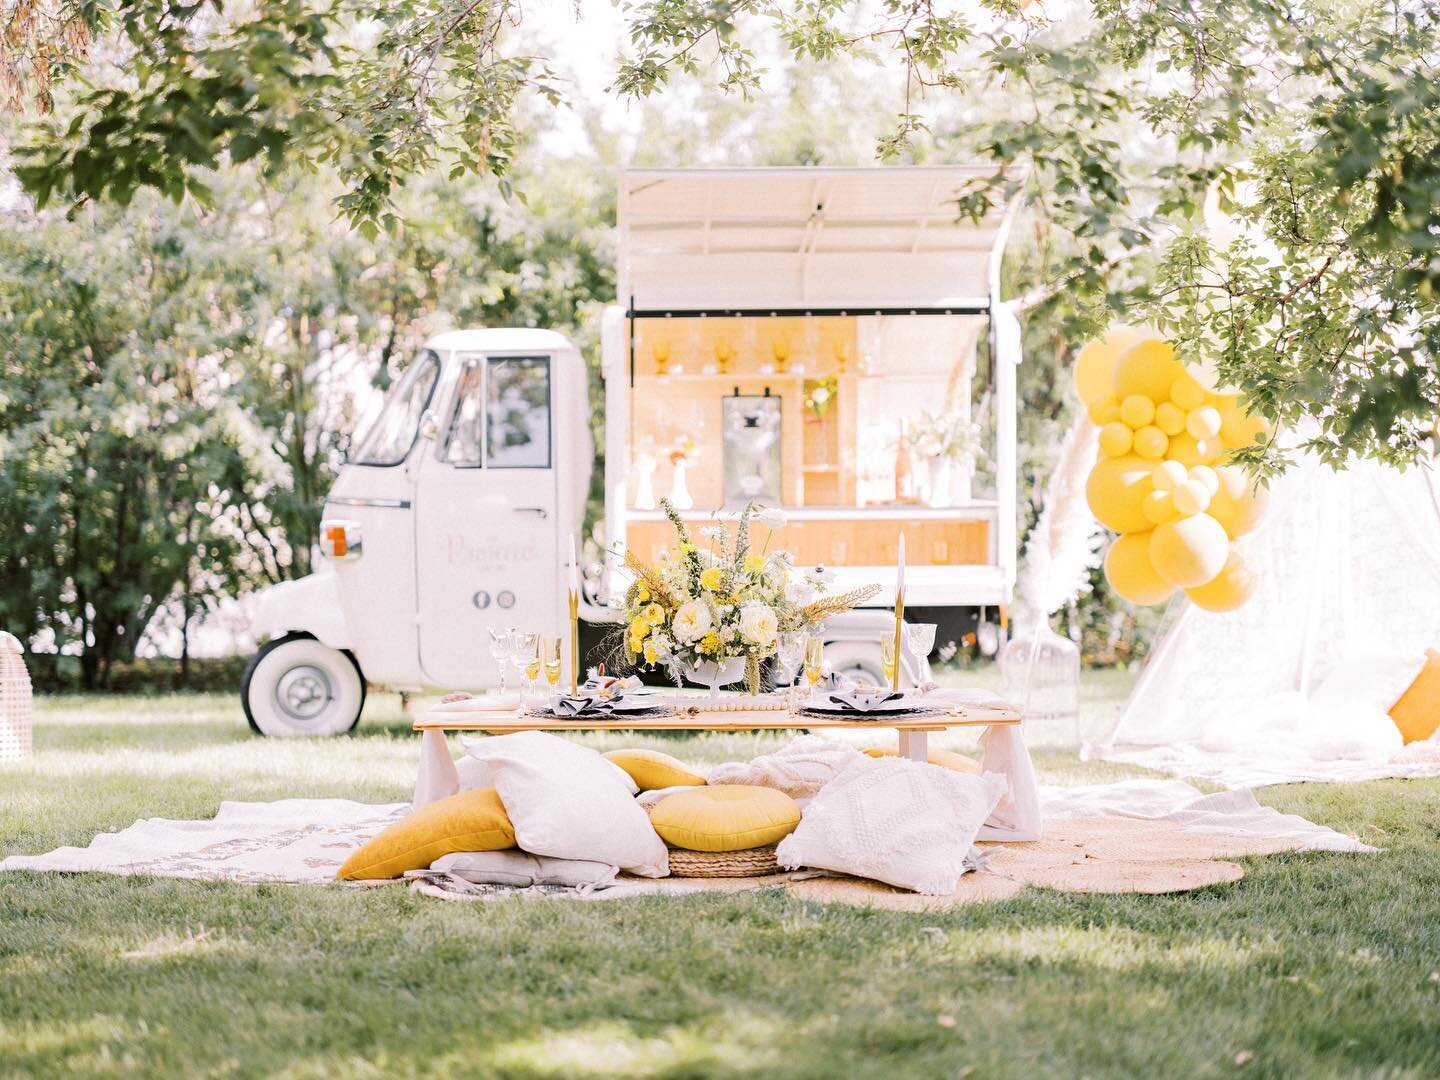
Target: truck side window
389	441
517	406
462	449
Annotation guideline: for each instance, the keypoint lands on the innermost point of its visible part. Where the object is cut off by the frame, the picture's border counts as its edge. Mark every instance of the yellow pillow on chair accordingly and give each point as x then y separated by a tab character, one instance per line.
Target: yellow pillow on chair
471	821
650	769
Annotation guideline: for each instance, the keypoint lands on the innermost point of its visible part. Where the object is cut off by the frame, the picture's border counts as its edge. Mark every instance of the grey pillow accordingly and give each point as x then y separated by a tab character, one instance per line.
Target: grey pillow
520	868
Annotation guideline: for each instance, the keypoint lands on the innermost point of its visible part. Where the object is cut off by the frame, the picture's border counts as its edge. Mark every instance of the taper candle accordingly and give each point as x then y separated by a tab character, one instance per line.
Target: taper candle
574	620
899	616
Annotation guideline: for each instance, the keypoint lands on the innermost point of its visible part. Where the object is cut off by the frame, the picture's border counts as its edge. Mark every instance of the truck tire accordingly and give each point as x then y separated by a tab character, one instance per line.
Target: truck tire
296	686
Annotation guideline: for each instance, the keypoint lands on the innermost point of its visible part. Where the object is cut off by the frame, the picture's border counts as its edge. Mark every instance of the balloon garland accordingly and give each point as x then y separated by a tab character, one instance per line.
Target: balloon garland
1161	480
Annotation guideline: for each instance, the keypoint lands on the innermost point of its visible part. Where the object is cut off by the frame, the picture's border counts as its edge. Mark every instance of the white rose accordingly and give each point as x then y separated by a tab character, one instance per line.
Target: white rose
758	625
799	592
772	517
692	621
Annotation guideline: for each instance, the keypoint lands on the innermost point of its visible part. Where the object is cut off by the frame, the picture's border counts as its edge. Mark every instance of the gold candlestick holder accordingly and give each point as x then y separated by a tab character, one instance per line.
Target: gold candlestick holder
899	638
574	643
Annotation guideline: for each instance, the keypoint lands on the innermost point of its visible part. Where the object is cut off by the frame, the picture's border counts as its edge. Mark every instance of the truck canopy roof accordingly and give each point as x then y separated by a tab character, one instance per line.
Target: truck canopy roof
803	238
500	339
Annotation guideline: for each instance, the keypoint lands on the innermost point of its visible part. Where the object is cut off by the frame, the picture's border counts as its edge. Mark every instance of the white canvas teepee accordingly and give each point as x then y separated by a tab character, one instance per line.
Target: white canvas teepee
1295	684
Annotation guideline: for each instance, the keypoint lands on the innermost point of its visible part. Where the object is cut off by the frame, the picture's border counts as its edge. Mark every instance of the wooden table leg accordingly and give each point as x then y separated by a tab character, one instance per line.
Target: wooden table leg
915	745
438	775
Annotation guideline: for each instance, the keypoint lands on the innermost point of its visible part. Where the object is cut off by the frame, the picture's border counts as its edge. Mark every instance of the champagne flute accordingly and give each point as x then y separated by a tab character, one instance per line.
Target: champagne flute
814	661
527	655
889	656
550	659
500	651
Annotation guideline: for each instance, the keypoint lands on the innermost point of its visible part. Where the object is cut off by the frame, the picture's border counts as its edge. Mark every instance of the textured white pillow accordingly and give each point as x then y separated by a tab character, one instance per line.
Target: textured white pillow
566	801
475	773
522	869
902	822
800	768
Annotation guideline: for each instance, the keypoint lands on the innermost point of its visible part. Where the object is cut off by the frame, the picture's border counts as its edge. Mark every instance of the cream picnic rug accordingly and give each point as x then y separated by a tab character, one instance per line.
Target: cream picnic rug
1149	836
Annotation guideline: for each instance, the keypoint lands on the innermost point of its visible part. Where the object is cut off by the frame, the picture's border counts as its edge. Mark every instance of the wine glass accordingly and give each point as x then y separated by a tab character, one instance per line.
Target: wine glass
527	658
789	653
920	642
550	659
889	658
814	661
500	651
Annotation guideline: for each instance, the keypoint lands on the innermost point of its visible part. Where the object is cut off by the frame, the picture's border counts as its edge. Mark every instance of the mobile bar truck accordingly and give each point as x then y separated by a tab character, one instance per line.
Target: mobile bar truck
828	341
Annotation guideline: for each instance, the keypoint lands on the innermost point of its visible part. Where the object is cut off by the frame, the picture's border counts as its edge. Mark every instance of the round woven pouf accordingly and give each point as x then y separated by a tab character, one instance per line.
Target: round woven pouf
753	862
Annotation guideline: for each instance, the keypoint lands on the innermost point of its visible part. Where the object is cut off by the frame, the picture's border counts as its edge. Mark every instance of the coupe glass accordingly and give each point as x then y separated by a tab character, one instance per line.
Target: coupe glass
500	649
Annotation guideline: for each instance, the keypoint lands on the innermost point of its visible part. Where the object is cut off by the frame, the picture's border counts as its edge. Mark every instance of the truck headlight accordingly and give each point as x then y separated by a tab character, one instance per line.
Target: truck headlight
340	539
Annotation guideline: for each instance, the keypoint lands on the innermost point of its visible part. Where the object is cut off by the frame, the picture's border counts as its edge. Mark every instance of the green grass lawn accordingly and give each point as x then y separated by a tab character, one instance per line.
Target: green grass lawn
1314	965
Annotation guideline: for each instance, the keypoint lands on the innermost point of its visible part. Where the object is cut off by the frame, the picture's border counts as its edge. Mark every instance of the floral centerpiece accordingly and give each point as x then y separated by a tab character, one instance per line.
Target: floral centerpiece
716	603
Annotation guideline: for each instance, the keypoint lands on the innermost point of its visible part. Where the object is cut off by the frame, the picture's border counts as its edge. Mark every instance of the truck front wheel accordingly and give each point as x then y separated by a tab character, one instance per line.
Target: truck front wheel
296	685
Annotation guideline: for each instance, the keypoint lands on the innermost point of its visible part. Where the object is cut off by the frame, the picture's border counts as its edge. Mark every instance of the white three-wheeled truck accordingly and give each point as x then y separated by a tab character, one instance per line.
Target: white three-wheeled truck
830	341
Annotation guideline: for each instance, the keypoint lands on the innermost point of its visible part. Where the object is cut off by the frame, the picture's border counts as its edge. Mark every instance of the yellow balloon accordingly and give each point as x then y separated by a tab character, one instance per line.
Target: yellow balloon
1115	490
1237	427
1168	475
1099	408
1186	393
1189	551
1190	451
1207	476
1094	372
1150	442
1238	505
1191	497
1137	410
1170	418
1130	572
1158	506
1116	439
1204	422
1228	589
1147	368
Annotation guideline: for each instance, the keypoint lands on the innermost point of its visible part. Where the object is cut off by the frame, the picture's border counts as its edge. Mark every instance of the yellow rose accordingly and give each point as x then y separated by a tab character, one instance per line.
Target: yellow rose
712	578
642	594
633	645
755	564
638	628
654	614
650	654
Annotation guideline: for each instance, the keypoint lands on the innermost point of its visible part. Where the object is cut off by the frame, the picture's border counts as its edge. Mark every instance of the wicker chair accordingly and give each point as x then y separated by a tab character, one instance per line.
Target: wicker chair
15	700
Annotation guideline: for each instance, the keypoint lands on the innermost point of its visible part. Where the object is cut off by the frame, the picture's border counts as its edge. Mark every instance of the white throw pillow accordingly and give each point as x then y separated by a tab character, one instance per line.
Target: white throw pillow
902	822
522	869
476	774
565	801
800	768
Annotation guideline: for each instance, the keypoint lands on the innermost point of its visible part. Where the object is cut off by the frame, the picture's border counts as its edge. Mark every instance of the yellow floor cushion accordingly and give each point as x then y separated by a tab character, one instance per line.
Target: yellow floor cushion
725	817
1417	713
946	759
471	821
650	769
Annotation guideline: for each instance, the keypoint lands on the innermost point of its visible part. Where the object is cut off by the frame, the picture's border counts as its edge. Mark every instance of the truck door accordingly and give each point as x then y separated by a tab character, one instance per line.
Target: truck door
486	537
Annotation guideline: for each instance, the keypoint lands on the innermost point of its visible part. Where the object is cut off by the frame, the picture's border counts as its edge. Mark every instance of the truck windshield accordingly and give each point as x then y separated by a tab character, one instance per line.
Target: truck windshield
393	434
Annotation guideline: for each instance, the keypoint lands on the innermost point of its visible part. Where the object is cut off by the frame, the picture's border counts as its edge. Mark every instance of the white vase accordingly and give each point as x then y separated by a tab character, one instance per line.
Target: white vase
716	675
680	497
940	481
644	483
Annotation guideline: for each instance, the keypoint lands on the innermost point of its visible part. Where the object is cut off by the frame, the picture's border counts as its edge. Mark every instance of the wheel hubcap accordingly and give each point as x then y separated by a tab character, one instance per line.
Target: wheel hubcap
303	692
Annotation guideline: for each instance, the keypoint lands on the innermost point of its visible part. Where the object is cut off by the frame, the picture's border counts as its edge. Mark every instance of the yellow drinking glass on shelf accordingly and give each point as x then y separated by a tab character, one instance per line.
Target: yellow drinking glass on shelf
889	657
814	660
550	657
